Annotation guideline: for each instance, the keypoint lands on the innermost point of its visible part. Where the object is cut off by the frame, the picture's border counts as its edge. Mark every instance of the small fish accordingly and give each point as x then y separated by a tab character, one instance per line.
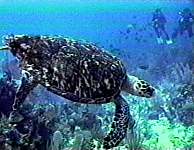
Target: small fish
144	67
111	45
128	31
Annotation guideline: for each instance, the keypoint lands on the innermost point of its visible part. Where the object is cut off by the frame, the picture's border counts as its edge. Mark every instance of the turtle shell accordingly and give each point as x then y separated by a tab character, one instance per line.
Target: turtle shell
87	72
77	70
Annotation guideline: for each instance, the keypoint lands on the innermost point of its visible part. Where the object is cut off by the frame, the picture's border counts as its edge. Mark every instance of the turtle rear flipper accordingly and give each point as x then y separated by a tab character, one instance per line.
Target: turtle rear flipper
122	121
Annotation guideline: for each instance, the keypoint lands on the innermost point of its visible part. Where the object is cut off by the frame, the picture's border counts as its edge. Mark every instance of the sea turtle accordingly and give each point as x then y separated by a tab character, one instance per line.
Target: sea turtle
78	71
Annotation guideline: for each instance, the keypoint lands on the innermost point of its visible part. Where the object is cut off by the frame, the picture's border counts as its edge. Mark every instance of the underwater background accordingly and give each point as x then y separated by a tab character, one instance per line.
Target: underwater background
124	28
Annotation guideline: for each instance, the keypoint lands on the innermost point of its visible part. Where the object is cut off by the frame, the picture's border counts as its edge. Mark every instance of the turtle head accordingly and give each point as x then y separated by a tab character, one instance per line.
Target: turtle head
143	89
19	45
139	87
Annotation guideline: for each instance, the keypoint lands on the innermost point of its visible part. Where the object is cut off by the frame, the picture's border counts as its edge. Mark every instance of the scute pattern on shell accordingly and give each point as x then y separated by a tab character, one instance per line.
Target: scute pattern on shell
87	72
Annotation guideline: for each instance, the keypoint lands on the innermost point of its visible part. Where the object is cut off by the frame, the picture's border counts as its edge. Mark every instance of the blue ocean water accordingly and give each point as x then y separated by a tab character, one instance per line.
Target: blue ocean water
122	27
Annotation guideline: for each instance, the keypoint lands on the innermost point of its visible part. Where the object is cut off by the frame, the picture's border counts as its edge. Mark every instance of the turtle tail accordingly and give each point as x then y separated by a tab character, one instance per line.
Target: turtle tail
122	121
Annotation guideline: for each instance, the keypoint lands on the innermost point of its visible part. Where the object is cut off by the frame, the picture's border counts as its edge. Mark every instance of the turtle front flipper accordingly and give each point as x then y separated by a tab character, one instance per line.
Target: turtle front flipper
28	83
122	121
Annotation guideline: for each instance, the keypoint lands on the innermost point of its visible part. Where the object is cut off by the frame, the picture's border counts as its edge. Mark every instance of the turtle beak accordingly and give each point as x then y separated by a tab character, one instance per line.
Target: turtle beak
3	48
